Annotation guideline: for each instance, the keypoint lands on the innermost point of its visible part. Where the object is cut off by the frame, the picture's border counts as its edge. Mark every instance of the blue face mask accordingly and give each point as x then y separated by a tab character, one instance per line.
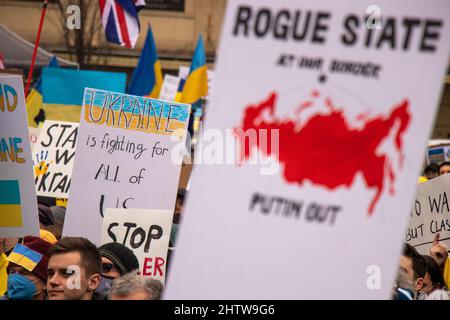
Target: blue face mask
105	286
20	287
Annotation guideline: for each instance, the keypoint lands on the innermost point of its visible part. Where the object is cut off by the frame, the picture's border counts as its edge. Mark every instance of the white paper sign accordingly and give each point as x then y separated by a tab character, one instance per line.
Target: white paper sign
169	87
146	232
316	203
129	153
18	205
430	214
53	158
34	135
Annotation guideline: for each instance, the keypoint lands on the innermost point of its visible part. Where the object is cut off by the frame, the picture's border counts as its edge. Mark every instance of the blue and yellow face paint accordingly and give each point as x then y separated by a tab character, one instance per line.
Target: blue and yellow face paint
24	257
10	206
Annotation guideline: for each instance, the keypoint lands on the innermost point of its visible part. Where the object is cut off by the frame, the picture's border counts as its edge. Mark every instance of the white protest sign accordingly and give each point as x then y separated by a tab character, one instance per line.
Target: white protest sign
169	87
129	153
327	111
145	231
430	214
53	158
34	135
18	205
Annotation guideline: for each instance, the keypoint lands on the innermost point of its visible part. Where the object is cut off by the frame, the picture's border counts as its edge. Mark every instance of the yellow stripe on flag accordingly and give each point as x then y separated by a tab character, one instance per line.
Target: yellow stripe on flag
22	261
196	86
10	215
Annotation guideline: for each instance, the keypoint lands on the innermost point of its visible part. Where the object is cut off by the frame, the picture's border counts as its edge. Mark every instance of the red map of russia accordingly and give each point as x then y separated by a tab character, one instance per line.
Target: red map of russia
326	150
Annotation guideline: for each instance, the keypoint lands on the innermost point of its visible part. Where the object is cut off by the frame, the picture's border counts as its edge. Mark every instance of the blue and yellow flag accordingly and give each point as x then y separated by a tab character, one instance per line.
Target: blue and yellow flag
147	77
196	85
10	208
35	99
24	257
63	90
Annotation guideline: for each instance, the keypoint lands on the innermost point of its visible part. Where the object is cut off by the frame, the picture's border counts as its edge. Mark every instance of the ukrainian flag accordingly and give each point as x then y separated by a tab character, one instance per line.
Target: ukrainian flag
10	208
196	85
147	77
35	99
24	257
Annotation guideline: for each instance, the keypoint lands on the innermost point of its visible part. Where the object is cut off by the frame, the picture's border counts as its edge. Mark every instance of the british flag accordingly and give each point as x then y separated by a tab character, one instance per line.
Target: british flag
120	20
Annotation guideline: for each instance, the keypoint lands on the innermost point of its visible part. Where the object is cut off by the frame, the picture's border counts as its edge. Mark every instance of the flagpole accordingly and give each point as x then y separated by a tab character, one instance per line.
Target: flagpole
36	46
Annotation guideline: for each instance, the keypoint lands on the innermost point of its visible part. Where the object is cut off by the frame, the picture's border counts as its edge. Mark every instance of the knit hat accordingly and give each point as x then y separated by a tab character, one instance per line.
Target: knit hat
122	257
37	245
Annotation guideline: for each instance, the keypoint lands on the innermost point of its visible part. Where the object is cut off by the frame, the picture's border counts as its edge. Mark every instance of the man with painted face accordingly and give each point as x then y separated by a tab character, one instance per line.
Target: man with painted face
27	269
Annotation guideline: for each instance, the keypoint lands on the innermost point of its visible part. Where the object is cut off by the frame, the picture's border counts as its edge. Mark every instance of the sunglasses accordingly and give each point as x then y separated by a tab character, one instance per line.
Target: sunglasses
107	267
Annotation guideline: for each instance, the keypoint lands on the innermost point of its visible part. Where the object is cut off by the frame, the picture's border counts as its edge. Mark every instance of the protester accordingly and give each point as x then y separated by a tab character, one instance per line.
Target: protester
413	264
444	168
433	282
73	269
47	221
135	287
117	260
7	244
27	269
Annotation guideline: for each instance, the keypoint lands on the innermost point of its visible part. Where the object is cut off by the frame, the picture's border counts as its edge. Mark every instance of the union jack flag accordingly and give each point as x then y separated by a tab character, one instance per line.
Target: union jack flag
120	20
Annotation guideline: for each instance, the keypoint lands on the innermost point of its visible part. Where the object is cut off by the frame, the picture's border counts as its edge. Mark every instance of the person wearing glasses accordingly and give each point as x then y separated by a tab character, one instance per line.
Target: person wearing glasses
117	260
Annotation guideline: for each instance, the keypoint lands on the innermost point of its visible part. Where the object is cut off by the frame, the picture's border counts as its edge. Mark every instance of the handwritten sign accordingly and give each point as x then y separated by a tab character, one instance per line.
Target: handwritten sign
53	158
126	158
18	206
330	129
145	231
430	214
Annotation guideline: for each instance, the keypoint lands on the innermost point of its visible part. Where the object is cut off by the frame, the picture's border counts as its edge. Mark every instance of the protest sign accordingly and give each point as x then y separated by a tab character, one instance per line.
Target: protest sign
53	158
169	87
430	214
18	206
33	134
127	157
327	111
145	231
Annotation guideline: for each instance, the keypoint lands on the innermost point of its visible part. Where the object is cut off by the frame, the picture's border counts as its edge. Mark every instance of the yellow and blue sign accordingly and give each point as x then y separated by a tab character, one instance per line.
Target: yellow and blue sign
10	207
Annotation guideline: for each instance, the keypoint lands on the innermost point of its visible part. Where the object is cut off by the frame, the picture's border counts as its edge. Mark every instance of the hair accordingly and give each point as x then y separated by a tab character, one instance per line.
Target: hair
90	257
432	168
445	163
132	282
418	262
435	272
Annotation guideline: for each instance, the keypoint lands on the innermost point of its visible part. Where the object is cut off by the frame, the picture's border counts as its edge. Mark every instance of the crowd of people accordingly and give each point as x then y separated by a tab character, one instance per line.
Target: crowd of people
53	267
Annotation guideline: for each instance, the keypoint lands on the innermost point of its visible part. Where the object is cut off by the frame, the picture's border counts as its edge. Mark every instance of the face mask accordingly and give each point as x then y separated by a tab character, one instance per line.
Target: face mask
105	286
20	287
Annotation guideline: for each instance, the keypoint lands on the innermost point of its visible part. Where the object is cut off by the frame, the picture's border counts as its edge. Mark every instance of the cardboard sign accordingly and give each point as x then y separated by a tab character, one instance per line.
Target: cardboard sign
169	87
146	232
33	135
430	214
18	205
326	110
129	153
53	158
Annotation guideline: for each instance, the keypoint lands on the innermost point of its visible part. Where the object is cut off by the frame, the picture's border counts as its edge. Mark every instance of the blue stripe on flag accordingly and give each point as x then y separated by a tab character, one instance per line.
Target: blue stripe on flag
27	252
